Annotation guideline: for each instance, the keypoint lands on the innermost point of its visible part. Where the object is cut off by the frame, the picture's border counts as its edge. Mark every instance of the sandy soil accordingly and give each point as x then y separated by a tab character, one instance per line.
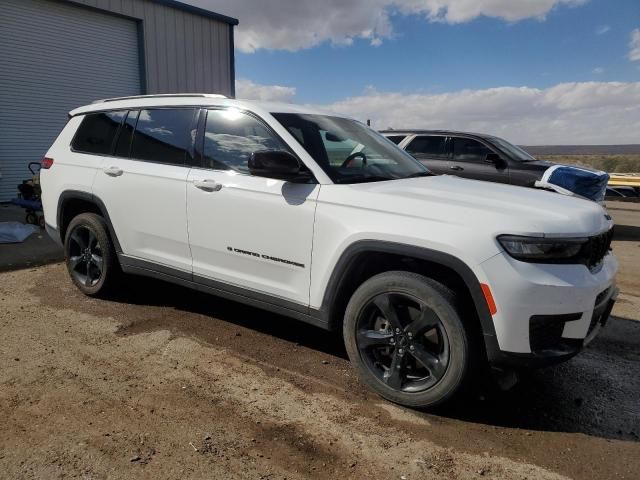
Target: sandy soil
167	383
162	382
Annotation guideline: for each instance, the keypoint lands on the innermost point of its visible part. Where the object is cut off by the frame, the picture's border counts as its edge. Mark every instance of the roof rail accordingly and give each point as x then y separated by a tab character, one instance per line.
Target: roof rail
161	95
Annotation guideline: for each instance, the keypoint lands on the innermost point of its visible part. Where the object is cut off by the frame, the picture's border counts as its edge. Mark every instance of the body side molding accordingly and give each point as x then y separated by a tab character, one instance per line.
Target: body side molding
221	289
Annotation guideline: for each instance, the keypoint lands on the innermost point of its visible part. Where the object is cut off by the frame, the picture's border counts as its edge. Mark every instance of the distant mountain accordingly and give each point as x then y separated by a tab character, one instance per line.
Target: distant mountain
584	149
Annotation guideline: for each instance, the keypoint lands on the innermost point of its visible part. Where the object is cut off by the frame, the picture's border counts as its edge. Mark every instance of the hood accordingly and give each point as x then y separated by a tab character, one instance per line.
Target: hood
539	164
542	163
482	206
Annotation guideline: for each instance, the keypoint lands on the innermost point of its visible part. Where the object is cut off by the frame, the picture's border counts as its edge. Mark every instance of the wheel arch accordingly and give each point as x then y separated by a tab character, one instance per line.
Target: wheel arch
74	202
371	255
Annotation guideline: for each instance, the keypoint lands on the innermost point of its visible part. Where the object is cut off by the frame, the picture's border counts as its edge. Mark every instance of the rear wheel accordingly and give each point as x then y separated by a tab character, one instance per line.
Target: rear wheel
405	335
89	253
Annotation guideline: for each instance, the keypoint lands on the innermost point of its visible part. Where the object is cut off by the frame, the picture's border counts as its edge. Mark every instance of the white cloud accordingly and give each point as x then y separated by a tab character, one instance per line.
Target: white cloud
253	91
598	71
602	29
294	25
458	11
634	46
568	113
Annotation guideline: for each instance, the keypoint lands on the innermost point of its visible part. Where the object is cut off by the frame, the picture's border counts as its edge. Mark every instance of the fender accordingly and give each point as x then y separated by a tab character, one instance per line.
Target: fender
348	257
91	198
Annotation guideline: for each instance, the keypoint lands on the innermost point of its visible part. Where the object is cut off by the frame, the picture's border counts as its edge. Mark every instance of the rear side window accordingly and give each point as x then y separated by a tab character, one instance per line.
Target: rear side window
164	135
396	138
231	137
97	132
434	147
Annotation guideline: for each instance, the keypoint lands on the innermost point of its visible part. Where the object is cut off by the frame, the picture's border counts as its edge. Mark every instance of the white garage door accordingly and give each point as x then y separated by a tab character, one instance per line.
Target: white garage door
55	56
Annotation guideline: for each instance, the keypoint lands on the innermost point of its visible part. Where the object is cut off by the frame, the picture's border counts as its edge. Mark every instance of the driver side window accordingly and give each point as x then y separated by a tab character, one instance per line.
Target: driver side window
230	137
469	150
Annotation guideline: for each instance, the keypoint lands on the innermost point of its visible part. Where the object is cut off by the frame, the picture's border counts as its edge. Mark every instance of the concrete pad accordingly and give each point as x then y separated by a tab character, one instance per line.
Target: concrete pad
37	249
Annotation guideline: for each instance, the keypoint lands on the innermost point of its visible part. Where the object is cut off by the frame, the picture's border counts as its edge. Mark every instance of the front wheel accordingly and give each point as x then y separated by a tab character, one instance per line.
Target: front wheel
89	253
405	335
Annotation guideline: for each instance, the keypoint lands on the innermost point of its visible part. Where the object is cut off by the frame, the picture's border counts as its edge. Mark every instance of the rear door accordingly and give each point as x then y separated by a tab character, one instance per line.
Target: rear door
143	185
470	161
432	151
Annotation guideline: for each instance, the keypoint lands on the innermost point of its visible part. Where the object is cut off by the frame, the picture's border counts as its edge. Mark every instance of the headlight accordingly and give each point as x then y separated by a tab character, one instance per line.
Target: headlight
535	249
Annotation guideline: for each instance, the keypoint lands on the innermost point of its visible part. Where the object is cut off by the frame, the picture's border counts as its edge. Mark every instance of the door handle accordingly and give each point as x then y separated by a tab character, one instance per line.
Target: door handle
457	168
208	185
113	171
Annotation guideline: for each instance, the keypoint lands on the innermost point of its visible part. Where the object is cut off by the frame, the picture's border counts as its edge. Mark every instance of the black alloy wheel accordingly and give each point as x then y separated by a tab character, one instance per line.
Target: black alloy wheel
86	261
90	255
404	332
403	342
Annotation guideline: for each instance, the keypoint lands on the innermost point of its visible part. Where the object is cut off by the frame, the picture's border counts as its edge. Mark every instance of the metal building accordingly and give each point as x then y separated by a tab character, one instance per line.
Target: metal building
56	55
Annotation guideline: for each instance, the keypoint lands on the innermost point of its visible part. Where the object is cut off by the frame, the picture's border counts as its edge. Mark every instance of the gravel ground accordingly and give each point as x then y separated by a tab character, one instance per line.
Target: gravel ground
162	382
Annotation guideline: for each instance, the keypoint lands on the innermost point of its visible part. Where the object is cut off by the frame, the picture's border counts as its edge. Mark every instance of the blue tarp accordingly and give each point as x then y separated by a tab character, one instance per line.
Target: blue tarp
14	232
591	184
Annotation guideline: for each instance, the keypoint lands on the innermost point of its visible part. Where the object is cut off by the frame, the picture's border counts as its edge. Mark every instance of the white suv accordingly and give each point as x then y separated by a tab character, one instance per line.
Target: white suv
317	217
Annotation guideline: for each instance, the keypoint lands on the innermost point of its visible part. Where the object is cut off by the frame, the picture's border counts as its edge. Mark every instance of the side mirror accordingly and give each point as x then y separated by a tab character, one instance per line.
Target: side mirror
493	158
277	164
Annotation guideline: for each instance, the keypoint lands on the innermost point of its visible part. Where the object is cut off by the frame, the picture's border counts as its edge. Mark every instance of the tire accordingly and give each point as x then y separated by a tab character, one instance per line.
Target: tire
93	271
430	346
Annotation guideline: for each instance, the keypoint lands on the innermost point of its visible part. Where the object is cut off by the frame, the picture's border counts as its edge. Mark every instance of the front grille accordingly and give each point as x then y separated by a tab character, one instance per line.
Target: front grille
597	248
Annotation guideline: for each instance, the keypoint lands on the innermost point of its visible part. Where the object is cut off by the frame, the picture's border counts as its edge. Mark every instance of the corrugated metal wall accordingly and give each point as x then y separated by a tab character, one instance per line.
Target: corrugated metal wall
183	51
54	57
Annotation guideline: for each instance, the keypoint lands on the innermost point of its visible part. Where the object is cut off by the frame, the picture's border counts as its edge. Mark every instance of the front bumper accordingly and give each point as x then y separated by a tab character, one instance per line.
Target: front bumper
548	346
547	313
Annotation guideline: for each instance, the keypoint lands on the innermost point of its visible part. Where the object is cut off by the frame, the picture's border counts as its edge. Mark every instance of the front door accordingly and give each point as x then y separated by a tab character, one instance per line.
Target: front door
432	151
248	231
470	161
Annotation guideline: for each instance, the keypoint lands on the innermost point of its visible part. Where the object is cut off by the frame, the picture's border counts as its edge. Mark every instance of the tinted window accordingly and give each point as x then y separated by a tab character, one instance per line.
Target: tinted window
97	131
396	138
431	146
469	150
164	135
126	133
231	137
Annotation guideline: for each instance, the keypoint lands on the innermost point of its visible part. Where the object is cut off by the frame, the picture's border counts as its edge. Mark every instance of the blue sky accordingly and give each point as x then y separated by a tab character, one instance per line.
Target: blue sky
533	71
439	57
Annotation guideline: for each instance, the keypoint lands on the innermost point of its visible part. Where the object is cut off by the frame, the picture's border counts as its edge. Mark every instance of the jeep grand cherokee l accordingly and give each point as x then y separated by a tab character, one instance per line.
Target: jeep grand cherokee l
427	277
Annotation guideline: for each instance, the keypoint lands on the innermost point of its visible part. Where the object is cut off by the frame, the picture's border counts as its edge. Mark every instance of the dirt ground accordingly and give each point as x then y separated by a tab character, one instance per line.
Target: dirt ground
162	382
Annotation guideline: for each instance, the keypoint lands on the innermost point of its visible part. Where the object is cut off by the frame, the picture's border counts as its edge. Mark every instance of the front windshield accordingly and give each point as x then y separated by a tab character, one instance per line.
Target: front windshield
348	151
514	152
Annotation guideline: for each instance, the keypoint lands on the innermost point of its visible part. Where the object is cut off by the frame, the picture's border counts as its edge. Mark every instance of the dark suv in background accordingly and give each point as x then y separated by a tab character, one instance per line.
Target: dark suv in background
470	155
